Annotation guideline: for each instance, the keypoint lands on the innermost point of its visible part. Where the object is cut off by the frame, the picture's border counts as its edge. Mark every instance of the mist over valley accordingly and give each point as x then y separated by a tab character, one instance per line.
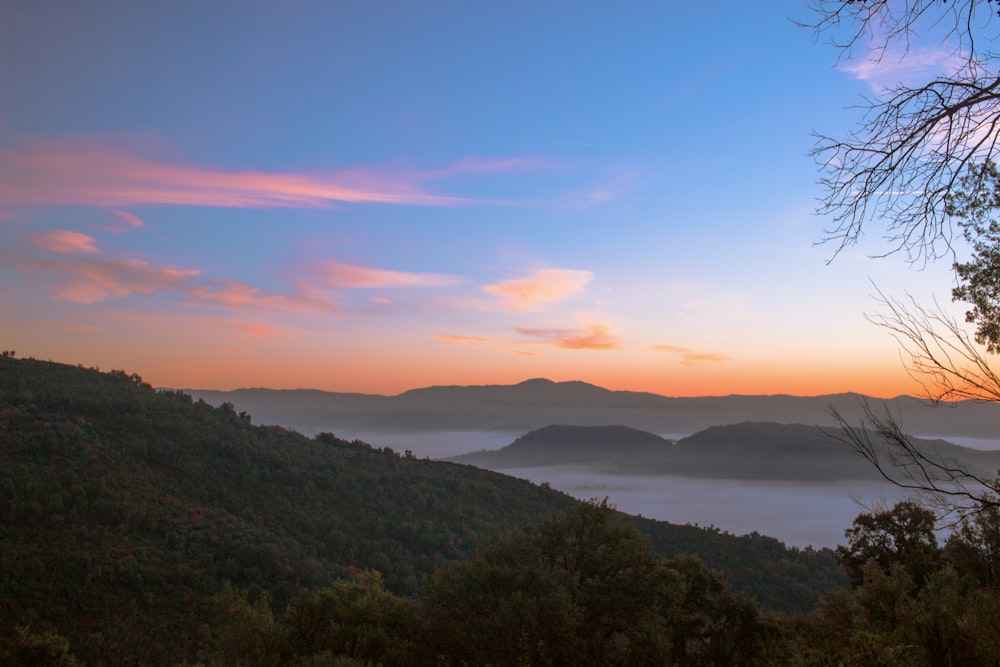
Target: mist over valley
740	463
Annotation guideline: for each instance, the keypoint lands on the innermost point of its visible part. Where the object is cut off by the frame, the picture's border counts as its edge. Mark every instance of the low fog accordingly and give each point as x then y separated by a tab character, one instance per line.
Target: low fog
798	514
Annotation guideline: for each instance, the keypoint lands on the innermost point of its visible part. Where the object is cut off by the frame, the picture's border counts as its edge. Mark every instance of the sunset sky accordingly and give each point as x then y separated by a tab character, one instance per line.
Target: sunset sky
377	196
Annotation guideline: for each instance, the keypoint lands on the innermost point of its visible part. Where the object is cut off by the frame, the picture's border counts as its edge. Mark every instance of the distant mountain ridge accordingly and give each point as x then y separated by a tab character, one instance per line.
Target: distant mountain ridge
747	451
538	402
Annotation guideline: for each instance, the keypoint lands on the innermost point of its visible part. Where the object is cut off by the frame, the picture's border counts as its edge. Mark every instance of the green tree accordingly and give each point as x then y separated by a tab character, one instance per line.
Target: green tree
578	589
585	589
903	535
351	619
245	632
25	648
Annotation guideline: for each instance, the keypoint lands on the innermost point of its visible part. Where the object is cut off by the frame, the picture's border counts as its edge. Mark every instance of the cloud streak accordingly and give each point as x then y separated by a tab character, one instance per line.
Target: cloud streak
339	274
593	337
81	172
688	357
129	219
62	241
540	288
235	295
91	280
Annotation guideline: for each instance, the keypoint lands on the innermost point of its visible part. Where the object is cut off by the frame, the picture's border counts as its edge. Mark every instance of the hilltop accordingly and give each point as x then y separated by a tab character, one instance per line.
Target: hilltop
747	451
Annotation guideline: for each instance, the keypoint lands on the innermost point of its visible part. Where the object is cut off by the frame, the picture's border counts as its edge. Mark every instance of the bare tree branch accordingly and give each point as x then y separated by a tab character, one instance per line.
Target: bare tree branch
942	356
957	494
913	143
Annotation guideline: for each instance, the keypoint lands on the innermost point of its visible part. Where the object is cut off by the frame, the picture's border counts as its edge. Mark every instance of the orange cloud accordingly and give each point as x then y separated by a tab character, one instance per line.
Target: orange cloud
542	287
593	337
63	242
88	173
457	338
488	343
688	356
338	274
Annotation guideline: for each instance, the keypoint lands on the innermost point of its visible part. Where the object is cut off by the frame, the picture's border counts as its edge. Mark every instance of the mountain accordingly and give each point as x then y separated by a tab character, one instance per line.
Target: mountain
592	447
747	451
536	403
124	511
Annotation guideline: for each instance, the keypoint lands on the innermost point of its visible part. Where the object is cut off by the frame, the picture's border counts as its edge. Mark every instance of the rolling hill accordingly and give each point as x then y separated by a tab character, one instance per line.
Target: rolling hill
746	451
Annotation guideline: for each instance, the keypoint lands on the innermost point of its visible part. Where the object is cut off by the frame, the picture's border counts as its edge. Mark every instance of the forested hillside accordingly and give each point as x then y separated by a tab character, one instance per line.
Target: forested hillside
126	512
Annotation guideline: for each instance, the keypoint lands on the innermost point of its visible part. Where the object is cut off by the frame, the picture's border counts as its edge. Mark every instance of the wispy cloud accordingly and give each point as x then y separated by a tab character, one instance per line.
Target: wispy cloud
612	188
91	280
540	288
83	172
129	219
593	337
885	70
457	338
235	295
63	242
96	277
489	166
339	274
687	356
507	345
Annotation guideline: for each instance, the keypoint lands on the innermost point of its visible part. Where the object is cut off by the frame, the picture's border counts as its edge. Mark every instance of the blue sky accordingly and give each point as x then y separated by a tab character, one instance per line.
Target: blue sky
362	196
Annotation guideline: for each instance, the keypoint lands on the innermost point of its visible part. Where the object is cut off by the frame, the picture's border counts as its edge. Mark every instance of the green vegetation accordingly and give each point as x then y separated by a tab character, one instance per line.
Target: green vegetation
911	602
141	527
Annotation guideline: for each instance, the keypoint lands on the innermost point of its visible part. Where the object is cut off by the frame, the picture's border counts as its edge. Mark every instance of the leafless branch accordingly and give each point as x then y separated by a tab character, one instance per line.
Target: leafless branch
951	488
913	143
942	356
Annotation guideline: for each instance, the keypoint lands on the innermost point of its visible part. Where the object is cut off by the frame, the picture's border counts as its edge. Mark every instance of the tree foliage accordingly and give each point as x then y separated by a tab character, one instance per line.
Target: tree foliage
903	535
974	205
911	602
586	588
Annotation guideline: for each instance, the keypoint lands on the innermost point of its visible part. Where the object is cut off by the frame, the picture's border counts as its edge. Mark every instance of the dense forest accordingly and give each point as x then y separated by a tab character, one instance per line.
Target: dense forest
143	527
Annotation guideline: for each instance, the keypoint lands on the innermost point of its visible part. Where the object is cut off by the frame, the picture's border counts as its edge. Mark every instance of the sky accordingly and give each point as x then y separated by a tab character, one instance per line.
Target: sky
379	196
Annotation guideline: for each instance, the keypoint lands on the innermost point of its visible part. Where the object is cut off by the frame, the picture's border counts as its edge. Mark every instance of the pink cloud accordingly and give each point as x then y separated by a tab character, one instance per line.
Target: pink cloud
885	70
593	337
238	296
542	287
688	356
63	242
93	280
45	172
339	274
96	279
129	219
